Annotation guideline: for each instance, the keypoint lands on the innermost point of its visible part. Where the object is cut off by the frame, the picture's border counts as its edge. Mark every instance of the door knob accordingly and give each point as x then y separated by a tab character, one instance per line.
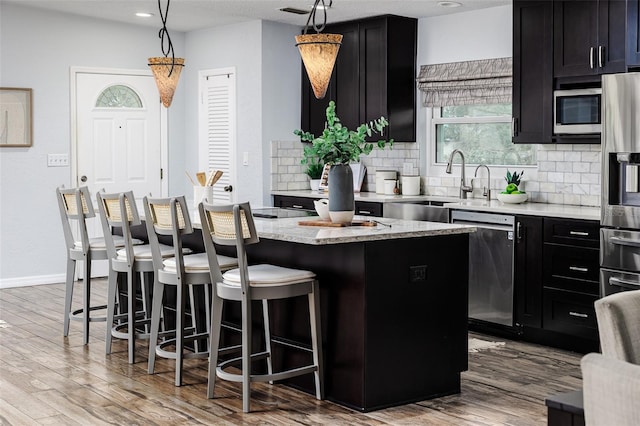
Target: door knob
228	188
83	178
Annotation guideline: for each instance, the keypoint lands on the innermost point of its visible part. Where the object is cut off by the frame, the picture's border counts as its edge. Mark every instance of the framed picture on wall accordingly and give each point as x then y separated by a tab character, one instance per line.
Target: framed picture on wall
16	127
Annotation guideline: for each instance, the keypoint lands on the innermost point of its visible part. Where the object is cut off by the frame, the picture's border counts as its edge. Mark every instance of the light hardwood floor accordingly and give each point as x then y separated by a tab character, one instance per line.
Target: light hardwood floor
48	379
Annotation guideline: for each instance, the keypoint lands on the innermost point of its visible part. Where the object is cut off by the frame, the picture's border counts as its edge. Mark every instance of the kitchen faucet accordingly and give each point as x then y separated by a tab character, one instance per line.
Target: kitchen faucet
463	188
486	190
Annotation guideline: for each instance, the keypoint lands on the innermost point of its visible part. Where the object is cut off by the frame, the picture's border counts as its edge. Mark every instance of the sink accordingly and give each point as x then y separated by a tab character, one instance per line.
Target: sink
430	211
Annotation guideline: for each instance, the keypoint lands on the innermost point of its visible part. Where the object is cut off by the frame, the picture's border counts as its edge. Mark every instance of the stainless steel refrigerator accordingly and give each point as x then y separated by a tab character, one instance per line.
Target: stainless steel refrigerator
620	204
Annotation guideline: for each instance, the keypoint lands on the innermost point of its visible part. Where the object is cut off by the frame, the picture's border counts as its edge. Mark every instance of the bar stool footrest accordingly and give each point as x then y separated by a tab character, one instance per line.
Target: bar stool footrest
78	314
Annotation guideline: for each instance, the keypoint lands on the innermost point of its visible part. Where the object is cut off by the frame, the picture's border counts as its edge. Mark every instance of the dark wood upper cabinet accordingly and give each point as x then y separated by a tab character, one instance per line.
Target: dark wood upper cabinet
589	37
633	35
532	71
374	75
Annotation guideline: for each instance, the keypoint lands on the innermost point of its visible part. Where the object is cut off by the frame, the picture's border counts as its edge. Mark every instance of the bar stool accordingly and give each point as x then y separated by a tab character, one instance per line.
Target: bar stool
234	225
75	207
170	217
119	210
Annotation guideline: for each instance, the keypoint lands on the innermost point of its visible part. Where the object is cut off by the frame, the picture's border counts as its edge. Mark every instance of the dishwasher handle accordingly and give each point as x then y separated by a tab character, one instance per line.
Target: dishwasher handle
496	227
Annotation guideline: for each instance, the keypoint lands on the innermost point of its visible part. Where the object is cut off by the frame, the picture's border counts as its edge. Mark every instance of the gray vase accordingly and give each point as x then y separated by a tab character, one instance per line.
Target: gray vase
341	200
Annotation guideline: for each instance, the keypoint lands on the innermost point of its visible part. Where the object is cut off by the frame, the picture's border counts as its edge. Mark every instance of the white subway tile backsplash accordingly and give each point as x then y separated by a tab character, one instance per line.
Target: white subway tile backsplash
566	173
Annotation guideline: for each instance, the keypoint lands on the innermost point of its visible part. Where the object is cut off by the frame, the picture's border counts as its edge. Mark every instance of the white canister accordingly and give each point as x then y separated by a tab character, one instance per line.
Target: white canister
410	185
381	176
202	193
390	186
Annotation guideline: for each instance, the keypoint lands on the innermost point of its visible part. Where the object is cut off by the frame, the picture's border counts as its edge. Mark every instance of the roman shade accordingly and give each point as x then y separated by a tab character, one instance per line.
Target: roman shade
486	81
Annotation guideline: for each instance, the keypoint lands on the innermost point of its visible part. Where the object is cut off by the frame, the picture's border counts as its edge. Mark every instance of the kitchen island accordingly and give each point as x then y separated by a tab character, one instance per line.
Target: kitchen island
393	306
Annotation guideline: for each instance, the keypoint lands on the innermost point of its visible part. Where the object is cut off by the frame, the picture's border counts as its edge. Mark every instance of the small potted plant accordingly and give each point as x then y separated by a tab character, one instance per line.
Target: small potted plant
314	166
512	193
339	146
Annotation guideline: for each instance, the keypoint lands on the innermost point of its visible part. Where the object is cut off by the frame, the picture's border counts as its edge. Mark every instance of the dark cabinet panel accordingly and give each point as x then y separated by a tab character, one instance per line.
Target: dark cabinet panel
297	203
572	232
532	71
570	313
633	33
589	37
528	274
374	76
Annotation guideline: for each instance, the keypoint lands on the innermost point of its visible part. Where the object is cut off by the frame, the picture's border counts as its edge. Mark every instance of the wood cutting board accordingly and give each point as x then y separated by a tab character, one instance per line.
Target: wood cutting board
334	224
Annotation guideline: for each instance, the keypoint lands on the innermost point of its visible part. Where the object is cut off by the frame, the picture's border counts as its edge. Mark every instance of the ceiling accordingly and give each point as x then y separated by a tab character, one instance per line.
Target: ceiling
189	15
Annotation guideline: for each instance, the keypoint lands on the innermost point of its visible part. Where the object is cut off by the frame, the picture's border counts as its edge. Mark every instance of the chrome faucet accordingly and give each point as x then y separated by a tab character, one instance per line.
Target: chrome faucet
463	188
486	190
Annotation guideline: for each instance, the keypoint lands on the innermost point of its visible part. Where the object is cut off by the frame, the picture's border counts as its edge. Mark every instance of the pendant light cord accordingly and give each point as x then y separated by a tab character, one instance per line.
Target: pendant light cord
165	40
312	16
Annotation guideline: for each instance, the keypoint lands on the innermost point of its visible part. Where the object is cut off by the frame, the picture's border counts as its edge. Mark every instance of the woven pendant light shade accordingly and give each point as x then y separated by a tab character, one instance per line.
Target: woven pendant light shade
319	52
161	67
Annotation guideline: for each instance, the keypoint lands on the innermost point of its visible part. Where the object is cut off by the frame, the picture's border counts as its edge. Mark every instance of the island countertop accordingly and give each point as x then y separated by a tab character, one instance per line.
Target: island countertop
289	229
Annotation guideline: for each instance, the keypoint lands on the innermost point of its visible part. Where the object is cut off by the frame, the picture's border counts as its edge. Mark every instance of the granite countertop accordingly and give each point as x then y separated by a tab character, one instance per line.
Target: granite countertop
288	229
476	204
527	208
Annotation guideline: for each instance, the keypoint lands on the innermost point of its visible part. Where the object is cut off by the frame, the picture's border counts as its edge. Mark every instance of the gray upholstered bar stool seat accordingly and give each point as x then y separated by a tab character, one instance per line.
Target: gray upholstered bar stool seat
234	225
75	207
119	210
170	217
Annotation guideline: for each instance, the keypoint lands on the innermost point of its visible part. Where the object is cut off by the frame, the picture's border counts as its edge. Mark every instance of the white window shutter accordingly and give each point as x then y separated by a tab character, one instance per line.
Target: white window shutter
218	104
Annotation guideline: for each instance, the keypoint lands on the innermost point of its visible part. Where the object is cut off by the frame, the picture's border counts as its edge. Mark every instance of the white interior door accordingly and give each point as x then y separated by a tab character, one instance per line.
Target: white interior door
118	136
218	129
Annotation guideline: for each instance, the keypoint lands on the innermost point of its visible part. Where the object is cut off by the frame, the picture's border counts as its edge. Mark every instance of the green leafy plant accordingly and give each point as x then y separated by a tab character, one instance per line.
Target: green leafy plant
339	145
513	180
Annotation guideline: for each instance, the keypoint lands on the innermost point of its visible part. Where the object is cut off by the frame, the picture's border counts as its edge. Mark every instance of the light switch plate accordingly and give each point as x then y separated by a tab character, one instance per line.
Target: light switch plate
57	160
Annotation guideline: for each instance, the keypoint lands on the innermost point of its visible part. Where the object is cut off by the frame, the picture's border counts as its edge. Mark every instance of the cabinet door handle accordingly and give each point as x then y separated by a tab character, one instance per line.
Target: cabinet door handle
513	127
579	233
578	269
578	314
600	56
296	206
591	57
519	231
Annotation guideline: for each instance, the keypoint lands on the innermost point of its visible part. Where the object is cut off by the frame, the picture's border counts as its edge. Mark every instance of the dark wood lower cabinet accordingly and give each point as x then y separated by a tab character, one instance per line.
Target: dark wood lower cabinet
557	281
390	338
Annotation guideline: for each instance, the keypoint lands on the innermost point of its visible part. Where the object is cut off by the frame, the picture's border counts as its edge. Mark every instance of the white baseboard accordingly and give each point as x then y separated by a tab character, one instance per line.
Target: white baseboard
29	281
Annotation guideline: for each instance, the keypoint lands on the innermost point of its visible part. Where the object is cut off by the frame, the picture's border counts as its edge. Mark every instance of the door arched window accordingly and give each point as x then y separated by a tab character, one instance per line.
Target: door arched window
118	96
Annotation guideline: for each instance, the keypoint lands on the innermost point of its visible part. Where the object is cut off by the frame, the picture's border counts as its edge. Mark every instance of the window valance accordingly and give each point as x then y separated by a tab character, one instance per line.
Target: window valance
486	81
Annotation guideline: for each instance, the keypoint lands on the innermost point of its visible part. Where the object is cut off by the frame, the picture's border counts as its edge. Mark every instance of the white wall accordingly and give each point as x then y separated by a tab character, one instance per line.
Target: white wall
37	50
281	71
465	36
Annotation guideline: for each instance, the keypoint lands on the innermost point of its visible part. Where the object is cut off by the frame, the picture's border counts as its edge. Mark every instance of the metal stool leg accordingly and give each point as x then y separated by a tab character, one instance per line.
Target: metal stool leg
68	295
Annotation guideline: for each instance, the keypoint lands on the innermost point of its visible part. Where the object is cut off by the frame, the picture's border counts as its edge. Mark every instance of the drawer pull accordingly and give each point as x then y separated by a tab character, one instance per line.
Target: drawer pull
296	206
578	314
579	233
364	212
578	268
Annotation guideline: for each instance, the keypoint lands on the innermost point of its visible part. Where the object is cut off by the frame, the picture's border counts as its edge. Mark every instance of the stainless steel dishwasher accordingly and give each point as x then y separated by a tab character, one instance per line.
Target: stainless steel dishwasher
491	260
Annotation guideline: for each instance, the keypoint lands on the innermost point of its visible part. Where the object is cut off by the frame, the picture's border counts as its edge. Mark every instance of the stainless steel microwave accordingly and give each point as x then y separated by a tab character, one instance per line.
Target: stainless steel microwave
577	111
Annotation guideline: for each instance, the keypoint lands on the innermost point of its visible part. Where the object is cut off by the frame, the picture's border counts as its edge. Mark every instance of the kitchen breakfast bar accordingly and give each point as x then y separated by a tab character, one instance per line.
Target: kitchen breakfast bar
393	306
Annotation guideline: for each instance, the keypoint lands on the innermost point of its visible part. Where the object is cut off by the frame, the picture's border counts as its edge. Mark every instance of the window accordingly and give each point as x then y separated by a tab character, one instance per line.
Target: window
119	96
482	132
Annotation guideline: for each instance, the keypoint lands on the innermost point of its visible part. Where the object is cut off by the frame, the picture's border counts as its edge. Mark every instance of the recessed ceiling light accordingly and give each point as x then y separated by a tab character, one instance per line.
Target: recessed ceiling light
449	4
144	14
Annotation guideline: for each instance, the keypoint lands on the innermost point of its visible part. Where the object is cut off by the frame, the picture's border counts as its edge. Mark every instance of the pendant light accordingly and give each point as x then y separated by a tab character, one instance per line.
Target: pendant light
318	51
166	70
